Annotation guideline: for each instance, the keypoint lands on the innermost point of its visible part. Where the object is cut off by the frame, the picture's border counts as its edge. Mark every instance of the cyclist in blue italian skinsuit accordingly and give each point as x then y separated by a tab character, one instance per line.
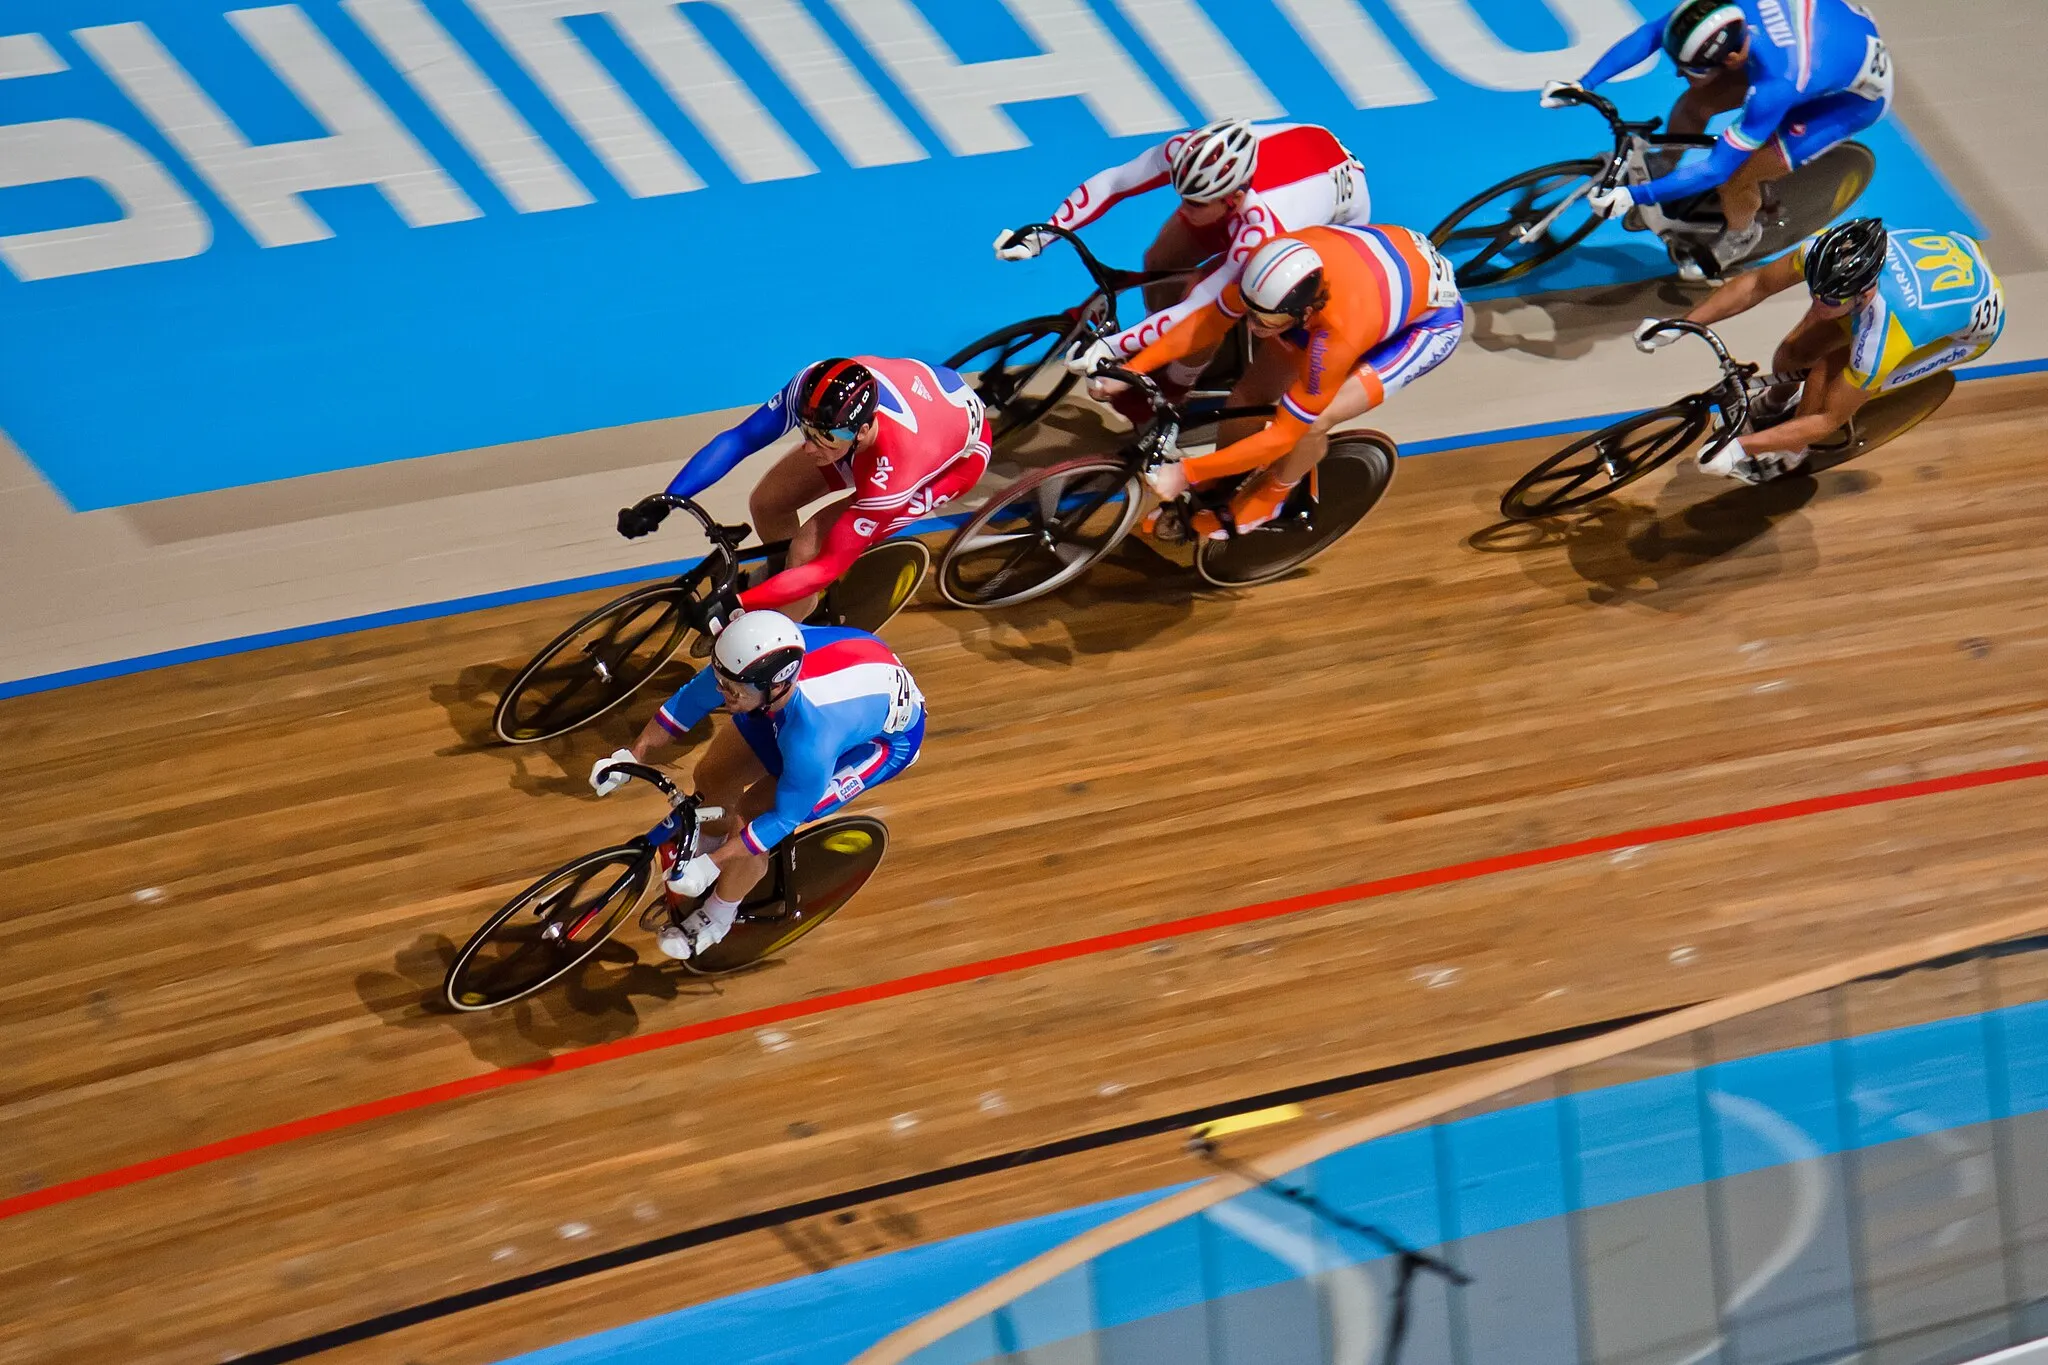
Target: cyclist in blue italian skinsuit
1807	74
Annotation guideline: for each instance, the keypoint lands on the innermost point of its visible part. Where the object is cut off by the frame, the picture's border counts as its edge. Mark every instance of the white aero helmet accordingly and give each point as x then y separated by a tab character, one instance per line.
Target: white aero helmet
1215	161
1283	276
760	649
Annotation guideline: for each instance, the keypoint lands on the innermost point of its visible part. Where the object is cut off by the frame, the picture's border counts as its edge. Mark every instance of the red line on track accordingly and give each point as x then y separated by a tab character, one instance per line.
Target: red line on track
352	1115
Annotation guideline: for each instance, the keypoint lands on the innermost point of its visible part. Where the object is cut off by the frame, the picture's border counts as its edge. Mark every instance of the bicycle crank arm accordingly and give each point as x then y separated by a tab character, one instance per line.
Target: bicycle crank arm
1542	225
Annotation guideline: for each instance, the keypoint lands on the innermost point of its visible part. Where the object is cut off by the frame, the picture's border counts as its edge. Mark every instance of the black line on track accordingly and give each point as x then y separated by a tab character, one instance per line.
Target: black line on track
653	1248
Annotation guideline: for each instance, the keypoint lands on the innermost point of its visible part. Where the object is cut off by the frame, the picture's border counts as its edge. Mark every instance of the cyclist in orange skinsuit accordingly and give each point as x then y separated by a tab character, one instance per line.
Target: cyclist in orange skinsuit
1346	316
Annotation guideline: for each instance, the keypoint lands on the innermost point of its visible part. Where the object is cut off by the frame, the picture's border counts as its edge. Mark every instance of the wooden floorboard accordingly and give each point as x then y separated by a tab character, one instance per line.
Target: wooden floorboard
228	885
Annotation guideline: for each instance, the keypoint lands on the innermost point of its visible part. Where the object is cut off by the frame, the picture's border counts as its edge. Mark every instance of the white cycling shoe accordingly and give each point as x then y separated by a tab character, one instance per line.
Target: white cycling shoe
1733	462
697	933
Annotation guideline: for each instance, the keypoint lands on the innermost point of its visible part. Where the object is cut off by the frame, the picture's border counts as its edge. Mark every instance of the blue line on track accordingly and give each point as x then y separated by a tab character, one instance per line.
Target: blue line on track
398	616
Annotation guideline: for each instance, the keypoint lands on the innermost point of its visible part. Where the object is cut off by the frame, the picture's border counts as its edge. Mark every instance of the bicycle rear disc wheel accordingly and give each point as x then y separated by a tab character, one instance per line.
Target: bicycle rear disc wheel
1349	482
881	581
1041	532
1881	421
548	930
828	864
1017	371
1813	196
1595	465
593	665
1481	237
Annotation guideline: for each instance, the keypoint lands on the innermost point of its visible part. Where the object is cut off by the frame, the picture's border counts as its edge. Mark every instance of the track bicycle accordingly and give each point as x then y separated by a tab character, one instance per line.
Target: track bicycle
1610	459
1528	220
1018	370
561	921
1049	527
613	652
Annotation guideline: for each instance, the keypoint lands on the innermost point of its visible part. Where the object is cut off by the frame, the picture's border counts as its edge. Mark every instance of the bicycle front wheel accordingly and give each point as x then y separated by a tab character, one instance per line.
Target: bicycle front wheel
1610	459
1042	532
1483	238
1016	371
550	929
593	665
1349	482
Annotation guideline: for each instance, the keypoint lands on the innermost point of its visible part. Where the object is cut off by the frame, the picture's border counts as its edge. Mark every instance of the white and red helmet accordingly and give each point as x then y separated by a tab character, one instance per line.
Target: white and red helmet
1215	161
1283	276
760	649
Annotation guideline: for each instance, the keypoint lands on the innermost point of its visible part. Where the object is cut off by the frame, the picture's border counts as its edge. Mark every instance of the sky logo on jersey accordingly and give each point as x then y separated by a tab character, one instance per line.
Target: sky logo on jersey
239	244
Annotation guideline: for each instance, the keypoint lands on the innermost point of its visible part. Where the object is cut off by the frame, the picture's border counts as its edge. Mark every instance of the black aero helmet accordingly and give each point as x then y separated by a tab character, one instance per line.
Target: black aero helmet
1847	259
1701	33
837	396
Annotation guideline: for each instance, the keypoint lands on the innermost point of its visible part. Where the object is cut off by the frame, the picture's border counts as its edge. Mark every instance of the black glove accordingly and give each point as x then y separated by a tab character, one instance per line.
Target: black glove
713	613
643	518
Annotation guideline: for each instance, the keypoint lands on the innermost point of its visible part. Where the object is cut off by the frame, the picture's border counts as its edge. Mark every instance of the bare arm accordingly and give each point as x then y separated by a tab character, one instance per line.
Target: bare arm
1746	291
1818	417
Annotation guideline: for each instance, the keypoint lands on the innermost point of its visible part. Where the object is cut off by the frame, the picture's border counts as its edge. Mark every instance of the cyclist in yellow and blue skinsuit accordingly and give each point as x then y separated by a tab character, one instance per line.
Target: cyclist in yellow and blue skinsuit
1888	309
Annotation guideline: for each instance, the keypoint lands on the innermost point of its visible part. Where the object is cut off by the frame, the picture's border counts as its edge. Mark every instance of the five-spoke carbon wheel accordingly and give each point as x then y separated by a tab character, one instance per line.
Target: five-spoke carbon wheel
1017	371
548	930
1593	466
1483	237
593	665
1041	532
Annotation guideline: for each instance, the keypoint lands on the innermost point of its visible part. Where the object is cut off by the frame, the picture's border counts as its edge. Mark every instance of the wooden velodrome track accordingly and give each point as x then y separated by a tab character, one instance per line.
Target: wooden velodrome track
228	885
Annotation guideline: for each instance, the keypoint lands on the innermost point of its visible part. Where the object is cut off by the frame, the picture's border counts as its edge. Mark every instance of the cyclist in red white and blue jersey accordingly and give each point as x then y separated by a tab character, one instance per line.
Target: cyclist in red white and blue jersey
1807	74
820	714
903	436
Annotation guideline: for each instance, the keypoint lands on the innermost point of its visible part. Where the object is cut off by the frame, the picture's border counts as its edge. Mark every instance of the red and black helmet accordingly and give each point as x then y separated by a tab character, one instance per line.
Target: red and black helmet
837	397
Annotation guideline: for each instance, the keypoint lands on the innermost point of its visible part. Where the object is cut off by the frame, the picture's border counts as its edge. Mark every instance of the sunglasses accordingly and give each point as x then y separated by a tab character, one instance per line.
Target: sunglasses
831	436
1273	321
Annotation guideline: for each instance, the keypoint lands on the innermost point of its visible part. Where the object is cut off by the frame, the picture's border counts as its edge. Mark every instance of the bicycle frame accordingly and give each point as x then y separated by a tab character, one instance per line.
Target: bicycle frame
1627	163
1730	398
1099	308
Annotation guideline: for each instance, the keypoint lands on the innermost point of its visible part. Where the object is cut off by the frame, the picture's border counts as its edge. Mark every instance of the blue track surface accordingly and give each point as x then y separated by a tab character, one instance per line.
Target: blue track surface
354	338
1632	1140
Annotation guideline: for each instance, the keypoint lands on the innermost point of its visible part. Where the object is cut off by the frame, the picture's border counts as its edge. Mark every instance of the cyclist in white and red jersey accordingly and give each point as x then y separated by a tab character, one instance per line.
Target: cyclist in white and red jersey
1240	185
903	436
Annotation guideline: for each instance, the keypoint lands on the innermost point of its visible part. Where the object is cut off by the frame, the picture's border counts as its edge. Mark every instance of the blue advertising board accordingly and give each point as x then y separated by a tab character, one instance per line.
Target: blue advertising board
241	245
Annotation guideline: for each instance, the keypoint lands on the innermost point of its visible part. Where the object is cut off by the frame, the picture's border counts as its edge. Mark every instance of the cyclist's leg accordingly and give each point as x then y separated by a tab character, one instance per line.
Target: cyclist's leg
804	547
1705	97
1808	131
1274	364
791	483
867	766
1386	369
1181	245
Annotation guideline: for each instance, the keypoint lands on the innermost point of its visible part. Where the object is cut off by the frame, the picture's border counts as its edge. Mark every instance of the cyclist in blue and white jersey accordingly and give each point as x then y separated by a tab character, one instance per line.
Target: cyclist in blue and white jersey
1807	74
820	714
1886	309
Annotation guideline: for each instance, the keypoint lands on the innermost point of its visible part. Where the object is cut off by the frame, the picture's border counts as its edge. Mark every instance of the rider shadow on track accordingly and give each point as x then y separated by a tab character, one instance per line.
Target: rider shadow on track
595	1005
1134	596
1568	324
1701	539
552	767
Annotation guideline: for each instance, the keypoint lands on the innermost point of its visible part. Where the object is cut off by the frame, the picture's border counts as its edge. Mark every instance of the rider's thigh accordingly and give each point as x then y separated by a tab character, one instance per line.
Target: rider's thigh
1180	245
1270	374
730	767
790	484
810	537
1811	129
1765	164
1701	100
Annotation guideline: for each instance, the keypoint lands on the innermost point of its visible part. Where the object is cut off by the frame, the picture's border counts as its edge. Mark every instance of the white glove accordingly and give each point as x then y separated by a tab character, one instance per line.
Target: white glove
693	878
1646	341
1551	89
1610	203
1168	480
1089	354
605	779
1019	246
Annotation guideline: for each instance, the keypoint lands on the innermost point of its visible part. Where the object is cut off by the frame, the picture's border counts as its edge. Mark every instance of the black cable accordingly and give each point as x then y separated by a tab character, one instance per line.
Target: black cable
451	1304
